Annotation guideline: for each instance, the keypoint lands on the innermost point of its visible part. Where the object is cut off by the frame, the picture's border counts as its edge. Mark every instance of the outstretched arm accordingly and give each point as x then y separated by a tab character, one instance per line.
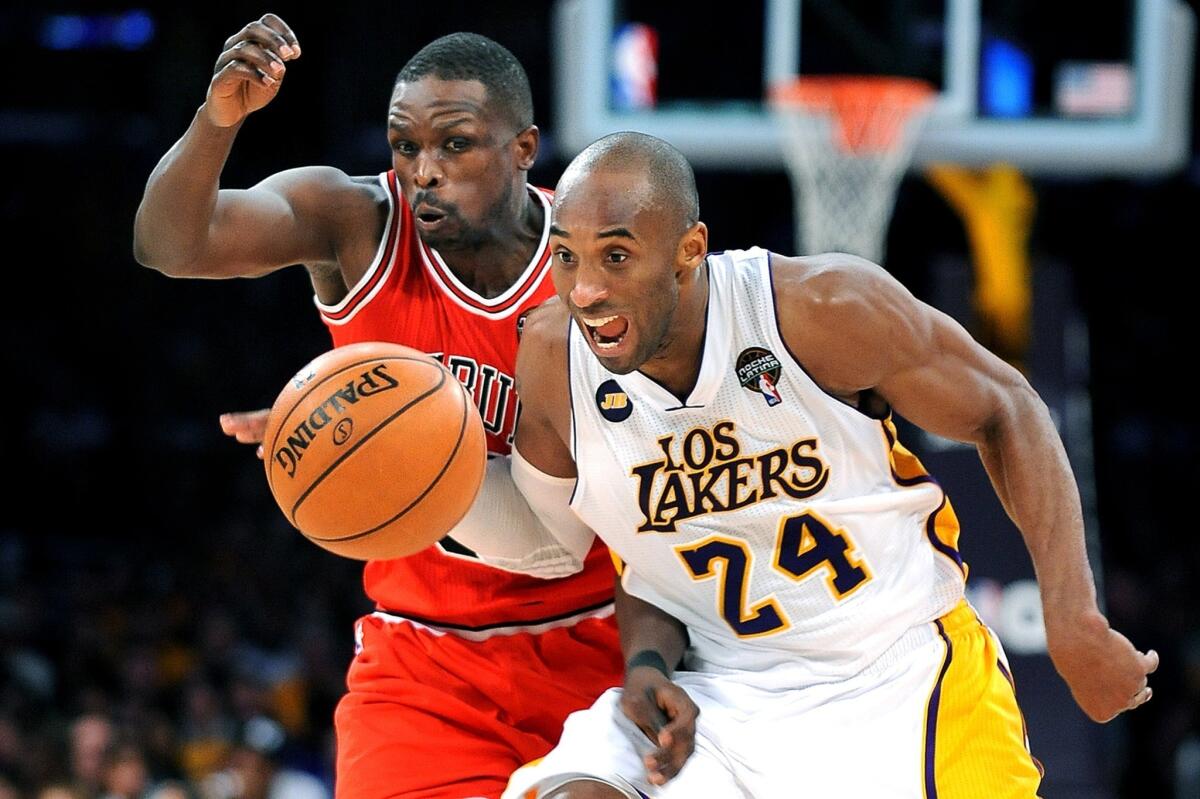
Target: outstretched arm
186	226
864	333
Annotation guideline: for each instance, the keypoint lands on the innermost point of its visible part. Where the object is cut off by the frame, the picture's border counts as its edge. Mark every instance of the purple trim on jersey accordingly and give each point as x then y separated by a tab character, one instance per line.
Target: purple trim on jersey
904	481
930	532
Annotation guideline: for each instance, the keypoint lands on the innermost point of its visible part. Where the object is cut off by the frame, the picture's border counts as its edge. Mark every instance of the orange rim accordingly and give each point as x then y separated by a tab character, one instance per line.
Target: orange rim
870	110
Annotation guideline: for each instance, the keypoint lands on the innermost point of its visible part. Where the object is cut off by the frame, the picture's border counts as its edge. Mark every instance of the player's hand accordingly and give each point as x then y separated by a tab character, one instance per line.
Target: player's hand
247	427
1106	674
250	70
666	714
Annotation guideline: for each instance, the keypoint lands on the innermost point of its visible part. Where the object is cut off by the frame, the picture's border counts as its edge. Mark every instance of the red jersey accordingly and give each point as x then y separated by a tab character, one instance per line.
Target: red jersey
409	296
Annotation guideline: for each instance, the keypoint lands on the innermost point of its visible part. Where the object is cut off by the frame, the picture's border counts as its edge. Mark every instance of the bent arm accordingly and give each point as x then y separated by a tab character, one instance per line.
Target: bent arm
872	335
866	333
187	226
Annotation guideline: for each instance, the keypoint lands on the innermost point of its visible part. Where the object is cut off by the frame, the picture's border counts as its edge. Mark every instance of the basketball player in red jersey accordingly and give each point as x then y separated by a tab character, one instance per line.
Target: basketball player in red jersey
466	671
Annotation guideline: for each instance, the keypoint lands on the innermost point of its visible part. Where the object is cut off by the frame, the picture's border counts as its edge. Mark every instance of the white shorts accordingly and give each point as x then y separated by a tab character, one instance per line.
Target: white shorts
938	718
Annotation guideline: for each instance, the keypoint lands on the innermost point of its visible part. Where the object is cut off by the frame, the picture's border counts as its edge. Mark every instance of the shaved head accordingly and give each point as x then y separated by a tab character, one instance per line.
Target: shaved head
628	249
669	185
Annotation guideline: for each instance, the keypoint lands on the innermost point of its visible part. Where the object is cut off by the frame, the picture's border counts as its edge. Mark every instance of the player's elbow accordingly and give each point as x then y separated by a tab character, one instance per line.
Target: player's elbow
167	268
158	250
164	262
1018	413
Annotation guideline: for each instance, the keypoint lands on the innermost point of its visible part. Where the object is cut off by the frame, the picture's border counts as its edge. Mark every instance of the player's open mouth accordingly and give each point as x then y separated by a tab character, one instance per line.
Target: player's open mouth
428	216
607	332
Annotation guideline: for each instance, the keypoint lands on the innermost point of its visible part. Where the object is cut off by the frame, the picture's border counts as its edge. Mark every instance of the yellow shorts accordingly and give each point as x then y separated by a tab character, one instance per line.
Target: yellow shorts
975	741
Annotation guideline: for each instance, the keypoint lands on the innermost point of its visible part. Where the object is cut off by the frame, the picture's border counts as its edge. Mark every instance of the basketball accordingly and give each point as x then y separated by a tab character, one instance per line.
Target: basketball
374	451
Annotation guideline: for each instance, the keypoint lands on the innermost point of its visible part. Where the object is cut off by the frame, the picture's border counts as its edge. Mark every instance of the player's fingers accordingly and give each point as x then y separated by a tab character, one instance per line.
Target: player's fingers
678	738
291	45
268	39
667	761
233	70
249	422
259	57
639	710
1141	697
259	452
1150	661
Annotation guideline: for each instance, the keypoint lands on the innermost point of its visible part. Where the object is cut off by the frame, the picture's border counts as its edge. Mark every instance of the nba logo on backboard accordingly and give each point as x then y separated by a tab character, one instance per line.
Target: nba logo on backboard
758	370
634	78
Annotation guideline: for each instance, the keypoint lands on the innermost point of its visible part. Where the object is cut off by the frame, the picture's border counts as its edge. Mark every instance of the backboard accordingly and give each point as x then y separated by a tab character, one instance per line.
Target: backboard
1070	88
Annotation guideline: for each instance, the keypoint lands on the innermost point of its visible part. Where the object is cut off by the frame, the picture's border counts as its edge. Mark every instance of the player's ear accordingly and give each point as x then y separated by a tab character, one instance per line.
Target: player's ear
692	247
525	146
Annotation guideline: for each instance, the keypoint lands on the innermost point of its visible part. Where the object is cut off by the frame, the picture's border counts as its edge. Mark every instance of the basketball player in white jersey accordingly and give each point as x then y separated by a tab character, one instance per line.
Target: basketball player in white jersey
810	562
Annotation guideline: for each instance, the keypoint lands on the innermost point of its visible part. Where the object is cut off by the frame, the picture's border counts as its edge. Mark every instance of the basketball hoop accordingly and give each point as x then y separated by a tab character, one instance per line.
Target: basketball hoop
847	142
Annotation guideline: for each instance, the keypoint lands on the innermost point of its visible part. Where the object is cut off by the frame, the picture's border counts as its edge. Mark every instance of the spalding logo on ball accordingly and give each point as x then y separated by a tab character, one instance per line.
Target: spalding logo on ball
374	451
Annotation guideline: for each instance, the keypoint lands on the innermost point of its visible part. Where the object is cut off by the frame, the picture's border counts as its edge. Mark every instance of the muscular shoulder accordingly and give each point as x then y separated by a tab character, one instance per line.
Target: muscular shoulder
327	192
846	318
352	211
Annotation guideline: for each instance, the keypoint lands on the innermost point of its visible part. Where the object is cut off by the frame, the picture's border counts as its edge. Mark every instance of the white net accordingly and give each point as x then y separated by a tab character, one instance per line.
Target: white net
847	143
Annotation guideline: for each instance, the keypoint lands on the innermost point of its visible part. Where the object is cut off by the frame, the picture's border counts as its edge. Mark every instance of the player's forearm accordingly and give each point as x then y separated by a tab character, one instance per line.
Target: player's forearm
1028	466
177	208
523	523
646	628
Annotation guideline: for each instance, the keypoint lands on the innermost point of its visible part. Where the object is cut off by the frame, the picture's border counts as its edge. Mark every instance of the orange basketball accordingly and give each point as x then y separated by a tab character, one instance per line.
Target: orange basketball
374	450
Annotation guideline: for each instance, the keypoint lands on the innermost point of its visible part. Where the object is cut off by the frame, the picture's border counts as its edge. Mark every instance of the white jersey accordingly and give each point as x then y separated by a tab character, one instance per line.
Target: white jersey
786	529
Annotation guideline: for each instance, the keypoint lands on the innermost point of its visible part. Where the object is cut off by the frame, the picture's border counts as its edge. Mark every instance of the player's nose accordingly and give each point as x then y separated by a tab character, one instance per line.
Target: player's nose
588	290
427	172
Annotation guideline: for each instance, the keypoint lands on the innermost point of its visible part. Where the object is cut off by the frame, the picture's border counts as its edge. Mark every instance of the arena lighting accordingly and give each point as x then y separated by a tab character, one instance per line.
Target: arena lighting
129	30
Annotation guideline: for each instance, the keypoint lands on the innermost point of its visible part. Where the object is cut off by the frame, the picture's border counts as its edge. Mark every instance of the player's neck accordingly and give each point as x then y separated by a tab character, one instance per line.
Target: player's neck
496	263
677	365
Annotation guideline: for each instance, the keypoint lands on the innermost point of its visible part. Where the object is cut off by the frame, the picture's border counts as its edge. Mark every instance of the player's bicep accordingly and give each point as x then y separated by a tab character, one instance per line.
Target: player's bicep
949	385
276	223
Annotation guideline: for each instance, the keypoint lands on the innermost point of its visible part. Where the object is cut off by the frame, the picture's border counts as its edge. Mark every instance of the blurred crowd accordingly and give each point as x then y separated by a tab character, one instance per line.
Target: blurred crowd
208	673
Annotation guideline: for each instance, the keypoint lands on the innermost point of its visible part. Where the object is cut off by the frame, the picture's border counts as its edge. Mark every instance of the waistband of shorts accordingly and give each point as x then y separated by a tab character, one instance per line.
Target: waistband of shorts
961	617
482	633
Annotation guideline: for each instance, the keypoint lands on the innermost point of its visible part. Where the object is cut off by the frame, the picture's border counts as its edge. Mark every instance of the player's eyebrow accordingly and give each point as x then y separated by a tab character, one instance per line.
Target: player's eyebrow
463	113
616	232
610	233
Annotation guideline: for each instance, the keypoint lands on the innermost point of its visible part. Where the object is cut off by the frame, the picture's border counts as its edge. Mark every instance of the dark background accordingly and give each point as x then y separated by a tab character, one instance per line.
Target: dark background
147	580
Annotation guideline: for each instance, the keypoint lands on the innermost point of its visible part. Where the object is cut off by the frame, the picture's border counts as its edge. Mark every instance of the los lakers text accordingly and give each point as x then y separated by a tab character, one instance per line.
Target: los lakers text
706	472
366	384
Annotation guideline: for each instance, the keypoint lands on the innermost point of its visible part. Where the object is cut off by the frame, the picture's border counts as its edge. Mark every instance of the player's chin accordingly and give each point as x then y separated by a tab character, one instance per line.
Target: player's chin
445	235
